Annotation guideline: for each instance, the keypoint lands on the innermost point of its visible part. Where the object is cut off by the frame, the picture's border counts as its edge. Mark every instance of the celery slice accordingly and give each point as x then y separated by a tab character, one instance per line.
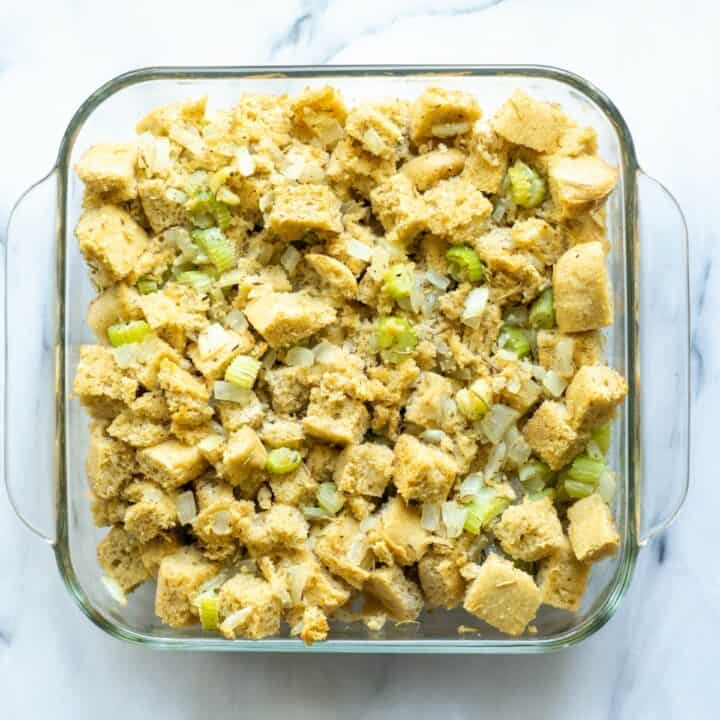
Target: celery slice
145	286
542	311
398	281
130	332
465	264
601	436
281	461
470	405
329	498
515	340
527	188
209	612
219	250
200	281
535	472
577	490
395	337
586	470
485	506
205	211
243	371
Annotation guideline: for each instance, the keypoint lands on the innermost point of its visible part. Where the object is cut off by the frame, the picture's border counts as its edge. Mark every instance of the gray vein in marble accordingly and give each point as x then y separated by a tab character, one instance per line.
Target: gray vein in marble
696	349
661	548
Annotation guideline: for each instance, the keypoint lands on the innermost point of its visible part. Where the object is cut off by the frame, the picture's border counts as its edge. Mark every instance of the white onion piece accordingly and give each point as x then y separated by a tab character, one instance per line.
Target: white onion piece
447	411
221	523
445	130
430	304
439	281
453	516
359	250
297	579
417	296
300	357
126	355
495	461
506	355
236	320
114	589
497	421
475	304
369	523
211	340
269	359
518	450
470	485
244	161
373	142
326	353
186	507
537	371
499	211
554	384
358	549
230	278
176	196
434	437
563	357
606	485
430	519
234	619
290	259
232	393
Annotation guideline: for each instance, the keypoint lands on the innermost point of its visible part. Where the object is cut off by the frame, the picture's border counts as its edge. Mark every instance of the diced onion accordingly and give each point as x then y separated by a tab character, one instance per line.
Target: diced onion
369	523
186	507
446	130
475	304
211	340
230	278
114	590
606	485
447	411
176	196
126	355
326	353
435	437
297	576
290	259
495	461
269	359
236	320
373	142
359	250
518	450
439	281
563	357
221	523
554	384
499	210
453	516
430	519
417	296
300	357
470	485
329	498
497	421
506	355
430	304
358	549
245	162
229	391
234	619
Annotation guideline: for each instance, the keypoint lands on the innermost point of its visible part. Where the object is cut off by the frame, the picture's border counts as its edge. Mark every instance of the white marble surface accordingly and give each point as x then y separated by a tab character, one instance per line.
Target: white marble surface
659	60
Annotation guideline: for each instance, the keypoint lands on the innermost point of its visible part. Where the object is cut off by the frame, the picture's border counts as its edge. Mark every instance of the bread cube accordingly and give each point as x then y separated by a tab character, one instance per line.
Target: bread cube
234	416
318	116
399	208
107	512
522	120
213	362
299	209
581	289
110	463
180	576
289	389
503	596
176	307
335	276
425	406
537	237
352	169
108	170
152	406
243	461
442	114
487	161
186	395
592	532
343	548
579	183
313	626
378	127
119	303
335	418
296	488
100	384
441	582
278	529
258	118
399	537
220	518
136	430
119	556
171	464
284	318
422	472
552	437
153	552
164	206
427	169
364	469
562	578
111	241
530	531
457	210
256	597
592	396
152	511
585	348
400	596
520	391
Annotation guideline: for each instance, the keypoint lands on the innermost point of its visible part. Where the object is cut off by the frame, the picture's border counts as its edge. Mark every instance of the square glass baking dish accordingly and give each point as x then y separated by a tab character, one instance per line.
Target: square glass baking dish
46	279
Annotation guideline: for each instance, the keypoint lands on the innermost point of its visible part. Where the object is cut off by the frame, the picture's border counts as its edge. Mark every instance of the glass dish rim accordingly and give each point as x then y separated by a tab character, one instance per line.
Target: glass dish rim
630	547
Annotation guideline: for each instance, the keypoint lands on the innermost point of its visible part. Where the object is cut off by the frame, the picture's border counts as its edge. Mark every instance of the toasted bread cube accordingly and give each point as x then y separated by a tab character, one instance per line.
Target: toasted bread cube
335	277
399	208
151	405
364	469
244	461
119	556
503	596
592	532
592	396
442	114
530	531
551	436
562	578
260	117
100	384
354	169
427	169
111	241
107	512
213	362
581	289
578	183
285	318
299	209
441	581
399	537
175	307
313	626
289	389
318	115
487	161
153	552
153	351
152	511
257	598
180	576
171	464
296	488
422	472
522	120
108	170
553	346
162	208
219	519
278	529
335	418
282	433
119	303
400	596
233	416
425	406
520	391
136	430
457	210
110	463
537	237
378	127
187	396
333	545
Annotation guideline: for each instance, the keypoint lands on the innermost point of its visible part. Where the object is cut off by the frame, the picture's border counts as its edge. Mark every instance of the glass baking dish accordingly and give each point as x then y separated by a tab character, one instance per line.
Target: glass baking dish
46	279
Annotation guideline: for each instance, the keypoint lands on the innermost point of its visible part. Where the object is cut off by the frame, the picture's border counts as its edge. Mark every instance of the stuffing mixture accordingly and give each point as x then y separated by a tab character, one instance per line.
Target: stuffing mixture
349	361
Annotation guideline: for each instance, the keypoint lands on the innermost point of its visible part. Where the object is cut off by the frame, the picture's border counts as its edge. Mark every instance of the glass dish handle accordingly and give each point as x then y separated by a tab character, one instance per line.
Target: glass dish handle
664	336
30	341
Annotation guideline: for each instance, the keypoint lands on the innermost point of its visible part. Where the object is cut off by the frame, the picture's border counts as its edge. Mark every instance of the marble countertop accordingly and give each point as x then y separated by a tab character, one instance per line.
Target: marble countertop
658	657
